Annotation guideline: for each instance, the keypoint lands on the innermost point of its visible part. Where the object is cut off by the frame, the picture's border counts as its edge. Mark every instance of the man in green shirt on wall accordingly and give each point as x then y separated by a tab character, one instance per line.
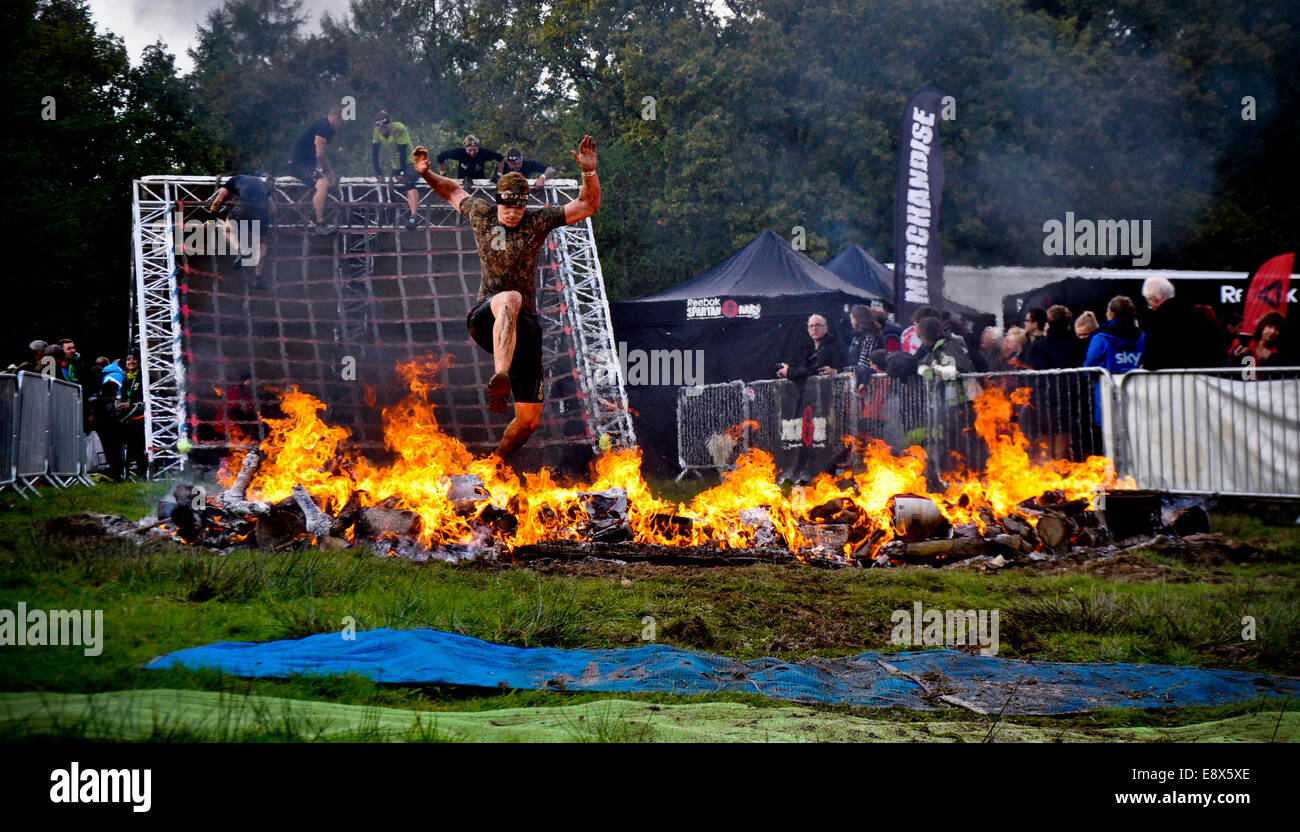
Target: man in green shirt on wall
393	141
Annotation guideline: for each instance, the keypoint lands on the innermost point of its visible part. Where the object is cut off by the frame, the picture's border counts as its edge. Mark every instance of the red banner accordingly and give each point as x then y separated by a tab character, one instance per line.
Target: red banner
1268	290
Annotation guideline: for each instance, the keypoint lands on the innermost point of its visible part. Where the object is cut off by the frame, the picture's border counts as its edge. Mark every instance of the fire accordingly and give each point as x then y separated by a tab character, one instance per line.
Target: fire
427	475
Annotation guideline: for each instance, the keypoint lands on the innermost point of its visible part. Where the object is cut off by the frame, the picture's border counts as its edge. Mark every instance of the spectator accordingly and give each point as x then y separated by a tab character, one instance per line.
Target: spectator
1118	344
130	417
1229	328
867	338
1177	334
1267	346
910	340
310	163
1058	349
104	417
33	363
394	140
70	369
990	351
890	330
1084	326
515	162
938	348
874	393
1014	344
471	158
822	356
1035	323
1053	396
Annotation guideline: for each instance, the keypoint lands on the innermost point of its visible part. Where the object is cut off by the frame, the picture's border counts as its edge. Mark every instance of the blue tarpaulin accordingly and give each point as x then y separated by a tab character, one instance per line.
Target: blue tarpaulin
920	680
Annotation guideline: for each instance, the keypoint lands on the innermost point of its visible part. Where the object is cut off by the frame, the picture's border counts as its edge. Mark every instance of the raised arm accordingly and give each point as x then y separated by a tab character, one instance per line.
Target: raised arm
588	201
449	189
221	196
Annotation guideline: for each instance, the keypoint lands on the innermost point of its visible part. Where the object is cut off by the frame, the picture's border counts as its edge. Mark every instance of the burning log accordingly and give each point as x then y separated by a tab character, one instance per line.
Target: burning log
671	525
1055	531
499	519
318	523
376	521
918	518
280	527
838	510
1018	525
991	524
233	499
348	514
956	548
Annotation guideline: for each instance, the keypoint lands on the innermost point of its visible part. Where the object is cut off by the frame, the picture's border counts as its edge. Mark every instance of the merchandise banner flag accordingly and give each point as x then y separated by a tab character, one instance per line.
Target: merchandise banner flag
918	265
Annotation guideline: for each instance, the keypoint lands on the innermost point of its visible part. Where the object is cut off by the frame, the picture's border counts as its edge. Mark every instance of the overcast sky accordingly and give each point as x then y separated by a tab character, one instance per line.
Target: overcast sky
141	22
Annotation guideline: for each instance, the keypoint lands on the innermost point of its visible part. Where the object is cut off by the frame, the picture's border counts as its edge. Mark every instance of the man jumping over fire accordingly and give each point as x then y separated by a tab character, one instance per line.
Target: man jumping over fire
504	318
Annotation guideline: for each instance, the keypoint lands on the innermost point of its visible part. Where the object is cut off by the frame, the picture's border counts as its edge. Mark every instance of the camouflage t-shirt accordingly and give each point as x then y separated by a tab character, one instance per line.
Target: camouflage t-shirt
509	255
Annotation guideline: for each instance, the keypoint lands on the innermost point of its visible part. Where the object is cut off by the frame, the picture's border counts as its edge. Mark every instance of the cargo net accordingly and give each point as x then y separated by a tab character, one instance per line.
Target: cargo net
340	312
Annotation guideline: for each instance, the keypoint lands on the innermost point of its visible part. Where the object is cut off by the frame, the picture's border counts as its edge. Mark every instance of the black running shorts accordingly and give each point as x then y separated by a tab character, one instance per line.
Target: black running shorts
526	366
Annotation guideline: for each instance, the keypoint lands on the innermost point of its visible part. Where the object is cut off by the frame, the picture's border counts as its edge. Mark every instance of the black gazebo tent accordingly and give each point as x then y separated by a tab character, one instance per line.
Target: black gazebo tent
744	315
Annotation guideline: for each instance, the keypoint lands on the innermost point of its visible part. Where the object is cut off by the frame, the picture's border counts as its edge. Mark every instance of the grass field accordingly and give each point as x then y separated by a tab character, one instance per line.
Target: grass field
1145	609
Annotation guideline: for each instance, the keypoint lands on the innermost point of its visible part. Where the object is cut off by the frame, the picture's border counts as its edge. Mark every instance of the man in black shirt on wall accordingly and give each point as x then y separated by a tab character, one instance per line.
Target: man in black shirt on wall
516	163
311	164
250	217
473	159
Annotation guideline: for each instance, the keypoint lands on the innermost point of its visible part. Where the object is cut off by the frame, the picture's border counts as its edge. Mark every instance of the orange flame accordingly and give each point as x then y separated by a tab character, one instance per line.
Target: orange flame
301	448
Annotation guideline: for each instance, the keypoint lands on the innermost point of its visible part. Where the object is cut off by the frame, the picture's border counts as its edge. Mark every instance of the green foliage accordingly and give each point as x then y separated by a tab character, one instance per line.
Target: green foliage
768	114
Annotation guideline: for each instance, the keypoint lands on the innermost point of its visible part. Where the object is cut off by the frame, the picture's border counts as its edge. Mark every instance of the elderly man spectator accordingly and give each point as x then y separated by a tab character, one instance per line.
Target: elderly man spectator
1177	334
822	355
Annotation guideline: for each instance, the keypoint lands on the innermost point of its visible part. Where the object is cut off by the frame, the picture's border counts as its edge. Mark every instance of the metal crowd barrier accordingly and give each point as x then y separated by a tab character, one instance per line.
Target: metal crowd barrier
40	433
1069	415
1234	432
8	430
716	423
1231	431
705	416
67	441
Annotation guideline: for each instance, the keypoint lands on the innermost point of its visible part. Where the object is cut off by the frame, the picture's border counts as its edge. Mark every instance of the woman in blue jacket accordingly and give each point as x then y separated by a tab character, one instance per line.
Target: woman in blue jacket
1117	345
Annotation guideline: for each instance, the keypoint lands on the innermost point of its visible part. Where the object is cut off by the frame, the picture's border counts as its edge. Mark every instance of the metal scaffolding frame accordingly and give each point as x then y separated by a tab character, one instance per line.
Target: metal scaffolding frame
360	207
